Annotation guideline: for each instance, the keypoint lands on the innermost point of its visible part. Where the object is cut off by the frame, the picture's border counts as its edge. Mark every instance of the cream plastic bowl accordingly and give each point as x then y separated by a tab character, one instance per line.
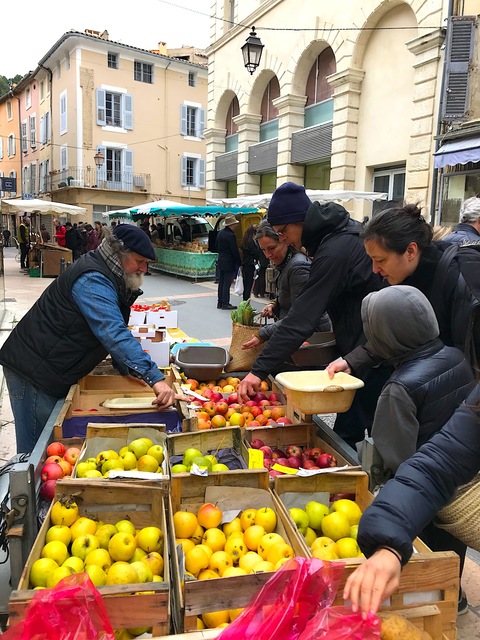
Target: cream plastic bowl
314	392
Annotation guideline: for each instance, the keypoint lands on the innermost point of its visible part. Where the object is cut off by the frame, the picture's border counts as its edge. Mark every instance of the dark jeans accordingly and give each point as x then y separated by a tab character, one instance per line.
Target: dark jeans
248	271
23	255
351	425
224	283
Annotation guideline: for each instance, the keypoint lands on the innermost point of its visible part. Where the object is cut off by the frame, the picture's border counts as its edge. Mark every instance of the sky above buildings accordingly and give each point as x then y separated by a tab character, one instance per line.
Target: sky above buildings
143	23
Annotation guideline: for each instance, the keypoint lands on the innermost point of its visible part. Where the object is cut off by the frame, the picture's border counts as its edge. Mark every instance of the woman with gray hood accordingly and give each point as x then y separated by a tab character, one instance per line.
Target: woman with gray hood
429	382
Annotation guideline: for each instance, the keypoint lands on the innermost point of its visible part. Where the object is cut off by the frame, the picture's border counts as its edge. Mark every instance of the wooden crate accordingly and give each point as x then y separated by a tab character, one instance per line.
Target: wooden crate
302	434
430	578
111	503
209	440
123	435
200	596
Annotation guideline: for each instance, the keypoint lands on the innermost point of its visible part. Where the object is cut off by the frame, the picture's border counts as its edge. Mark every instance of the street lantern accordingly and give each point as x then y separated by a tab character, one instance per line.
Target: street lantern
252	51
99	159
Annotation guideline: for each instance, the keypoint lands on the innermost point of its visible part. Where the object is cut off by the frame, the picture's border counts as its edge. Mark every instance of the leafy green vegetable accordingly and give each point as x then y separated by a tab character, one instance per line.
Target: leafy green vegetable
244	314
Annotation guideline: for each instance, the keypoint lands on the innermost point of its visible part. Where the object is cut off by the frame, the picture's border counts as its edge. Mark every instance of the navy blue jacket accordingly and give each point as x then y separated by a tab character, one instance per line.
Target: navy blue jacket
425	483
464	232
228	254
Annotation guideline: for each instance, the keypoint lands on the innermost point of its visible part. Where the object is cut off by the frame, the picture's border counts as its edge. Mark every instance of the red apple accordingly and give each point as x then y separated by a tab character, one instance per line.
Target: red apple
342	496
71	455
294	462
232	398
254	423
308	464
283	461
251	403
53	460
206	392
284	420
293	450
258	397
264	403
47	489
325	460
278	453
274	473
256	411
216	396
256	443
271	423
56	449
267	463
210	408
267	451
222	408
315	452
272	397
51	471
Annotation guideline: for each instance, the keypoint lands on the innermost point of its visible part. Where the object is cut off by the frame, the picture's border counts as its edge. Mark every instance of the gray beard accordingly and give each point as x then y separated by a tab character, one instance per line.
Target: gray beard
133	281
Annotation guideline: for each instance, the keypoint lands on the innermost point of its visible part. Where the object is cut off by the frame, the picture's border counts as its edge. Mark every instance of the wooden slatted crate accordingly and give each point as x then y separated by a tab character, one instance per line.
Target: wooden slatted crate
126	605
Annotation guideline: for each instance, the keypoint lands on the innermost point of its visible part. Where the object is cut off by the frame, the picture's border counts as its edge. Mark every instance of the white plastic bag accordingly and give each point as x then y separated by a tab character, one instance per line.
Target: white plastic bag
238	286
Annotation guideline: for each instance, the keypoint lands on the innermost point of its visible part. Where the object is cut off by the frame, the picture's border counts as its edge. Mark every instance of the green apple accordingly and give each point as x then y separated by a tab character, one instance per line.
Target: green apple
125	526
138	555
94	460
140	446
190	454
150	539
123	451
93	473
55	550
220	467
316	511
97	575
157	452
143	571
202	462
109	465
179	468
83	467
354	531
300	518
104	533
83	545
129	460
40	571
57	575
212	459
100	557
74	563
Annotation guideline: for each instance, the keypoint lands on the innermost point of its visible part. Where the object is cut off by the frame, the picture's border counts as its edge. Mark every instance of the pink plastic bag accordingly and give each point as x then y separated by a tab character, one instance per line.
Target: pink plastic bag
293	595
73	610
340	623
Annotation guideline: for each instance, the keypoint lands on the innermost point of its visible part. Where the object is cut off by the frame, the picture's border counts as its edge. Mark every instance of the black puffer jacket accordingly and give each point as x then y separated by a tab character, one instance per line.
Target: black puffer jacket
340	277
425	483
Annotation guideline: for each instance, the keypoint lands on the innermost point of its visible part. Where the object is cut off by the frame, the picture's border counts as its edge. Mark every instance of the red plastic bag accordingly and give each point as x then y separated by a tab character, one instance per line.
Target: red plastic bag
293	595
340	623
73	610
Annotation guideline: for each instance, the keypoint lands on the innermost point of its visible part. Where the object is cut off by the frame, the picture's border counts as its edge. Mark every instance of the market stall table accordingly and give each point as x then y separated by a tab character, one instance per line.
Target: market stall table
185	263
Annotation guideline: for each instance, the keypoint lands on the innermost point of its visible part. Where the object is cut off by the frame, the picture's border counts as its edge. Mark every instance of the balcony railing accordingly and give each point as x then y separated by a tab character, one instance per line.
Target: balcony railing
89	178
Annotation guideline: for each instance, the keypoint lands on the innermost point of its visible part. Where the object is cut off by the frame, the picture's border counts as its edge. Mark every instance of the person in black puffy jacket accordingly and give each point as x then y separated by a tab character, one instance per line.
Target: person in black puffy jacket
422	486
229	261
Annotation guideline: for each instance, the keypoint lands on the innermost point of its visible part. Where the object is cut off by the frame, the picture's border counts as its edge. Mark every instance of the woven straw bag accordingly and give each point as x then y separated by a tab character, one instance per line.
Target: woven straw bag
461	517
243	359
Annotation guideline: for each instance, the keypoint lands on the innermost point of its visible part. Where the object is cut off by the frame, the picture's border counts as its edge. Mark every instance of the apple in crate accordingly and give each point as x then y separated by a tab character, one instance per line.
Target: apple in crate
294	450
51	471
257	443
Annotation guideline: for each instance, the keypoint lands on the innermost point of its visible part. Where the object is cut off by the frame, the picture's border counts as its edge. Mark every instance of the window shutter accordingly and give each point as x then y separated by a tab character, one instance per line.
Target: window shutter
13	150
200	122
63	113
128	112
48	128
183	119
43	137
1	148
102	171
183	179
101	111
128	169
458	56
63	158
201	174
33	131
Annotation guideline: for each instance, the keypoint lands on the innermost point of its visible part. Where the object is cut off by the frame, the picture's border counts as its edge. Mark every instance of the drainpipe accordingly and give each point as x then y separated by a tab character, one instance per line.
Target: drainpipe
433	200
50	74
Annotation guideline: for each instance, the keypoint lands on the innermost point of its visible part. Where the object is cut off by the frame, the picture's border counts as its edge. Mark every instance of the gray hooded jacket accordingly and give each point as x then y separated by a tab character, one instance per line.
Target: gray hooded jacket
430	380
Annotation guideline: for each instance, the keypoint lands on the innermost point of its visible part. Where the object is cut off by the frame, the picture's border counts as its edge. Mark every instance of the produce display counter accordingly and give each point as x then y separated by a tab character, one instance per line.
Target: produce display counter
184	263
47	257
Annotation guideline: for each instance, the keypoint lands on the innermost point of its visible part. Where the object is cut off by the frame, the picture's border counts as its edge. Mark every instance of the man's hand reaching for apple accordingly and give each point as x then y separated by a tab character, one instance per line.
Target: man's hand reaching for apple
248	387
165	396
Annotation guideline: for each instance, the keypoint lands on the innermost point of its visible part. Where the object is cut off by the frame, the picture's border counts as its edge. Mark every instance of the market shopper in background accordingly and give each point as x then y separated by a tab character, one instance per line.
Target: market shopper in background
468	229
422	486
23	237
60	232
100	230
92	238
78	320
45	234
249	253
340	277
229	261
73	240
6	237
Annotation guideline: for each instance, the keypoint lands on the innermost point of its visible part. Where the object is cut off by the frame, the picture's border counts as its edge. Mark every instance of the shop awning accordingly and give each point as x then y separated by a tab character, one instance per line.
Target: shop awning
166	208
41	206
458	152
327	195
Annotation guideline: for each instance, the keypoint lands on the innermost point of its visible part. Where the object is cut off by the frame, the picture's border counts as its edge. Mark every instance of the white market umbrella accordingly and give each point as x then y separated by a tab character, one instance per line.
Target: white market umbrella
262	200
44	207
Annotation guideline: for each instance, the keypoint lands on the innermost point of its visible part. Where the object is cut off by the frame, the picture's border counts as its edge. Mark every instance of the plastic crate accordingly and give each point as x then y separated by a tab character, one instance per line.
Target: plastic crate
202	363
34	272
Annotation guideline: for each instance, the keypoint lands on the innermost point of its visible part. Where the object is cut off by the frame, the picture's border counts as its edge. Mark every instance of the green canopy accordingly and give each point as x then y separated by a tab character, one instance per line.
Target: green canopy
166	208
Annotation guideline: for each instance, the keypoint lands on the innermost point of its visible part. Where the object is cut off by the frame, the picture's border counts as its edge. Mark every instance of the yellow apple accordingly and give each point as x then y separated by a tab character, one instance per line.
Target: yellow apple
113	463
97	575
263	567
234	571
121	573
55	550
140	446
350	510
197	535
157	452
138	555
103	456
75	563
147	463
59	532
122	547
83	467
154	561
100	557
207	574
150	539
64	512
185	524
186	543
83	545
129	460
93	473
266	542
236	547
220	561
59	574
266	518
249	561
253	535
215	619
336	526
157	578
125	526
234	525
83	525
196	560
41	569
208	550
347	548
215	539
278	551
123	451
144	572
104	533
247	518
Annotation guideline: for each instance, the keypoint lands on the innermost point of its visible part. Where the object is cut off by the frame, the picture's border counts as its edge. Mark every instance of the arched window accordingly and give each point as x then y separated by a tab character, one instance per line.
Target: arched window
231	137
319	106
269	124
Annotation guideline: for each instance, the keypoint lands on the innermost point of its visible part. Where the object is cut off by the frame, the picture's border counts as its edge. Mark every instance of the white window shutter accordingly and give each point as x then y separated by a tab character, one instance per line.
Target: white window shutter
101	111
43	137
63	113
1	148
63	158
48	127
128	169
201	174
200	122
127	112
183	178
102	171
183	119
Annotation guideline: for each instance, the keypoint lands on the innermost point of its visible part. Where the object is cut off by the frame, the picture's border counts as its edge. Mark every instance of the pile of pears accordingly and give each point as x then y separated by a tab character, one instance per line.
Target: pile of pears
330	532
193	456
140	455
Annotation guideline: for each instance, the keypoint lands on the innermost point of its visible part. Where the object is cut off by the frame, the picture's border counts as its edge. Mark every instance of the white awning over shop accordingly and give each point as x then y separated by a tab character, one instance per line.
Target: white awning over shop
41	206
263	200
458	152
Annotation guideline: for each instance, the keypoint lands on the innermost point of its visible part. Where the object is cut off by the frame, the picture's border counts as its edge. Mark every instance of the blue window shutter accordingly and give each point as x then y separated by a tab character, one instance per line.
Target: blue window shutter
458	59
184	172
200	122
201	174
102	171
183	119
128	112
101	111
128	169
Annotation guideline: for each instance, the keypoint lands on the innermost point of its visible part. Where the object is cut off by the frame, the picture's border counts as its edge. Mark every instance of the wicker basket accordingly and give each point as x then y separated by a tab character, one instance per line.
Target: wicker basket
243	359
461	517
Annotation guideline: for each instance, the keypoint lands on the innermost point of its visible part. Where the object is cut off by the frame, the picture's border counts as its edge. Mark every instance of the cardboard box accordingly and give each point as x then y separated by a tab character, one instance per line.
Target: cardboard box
143	330
128	605
162	318
157	349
